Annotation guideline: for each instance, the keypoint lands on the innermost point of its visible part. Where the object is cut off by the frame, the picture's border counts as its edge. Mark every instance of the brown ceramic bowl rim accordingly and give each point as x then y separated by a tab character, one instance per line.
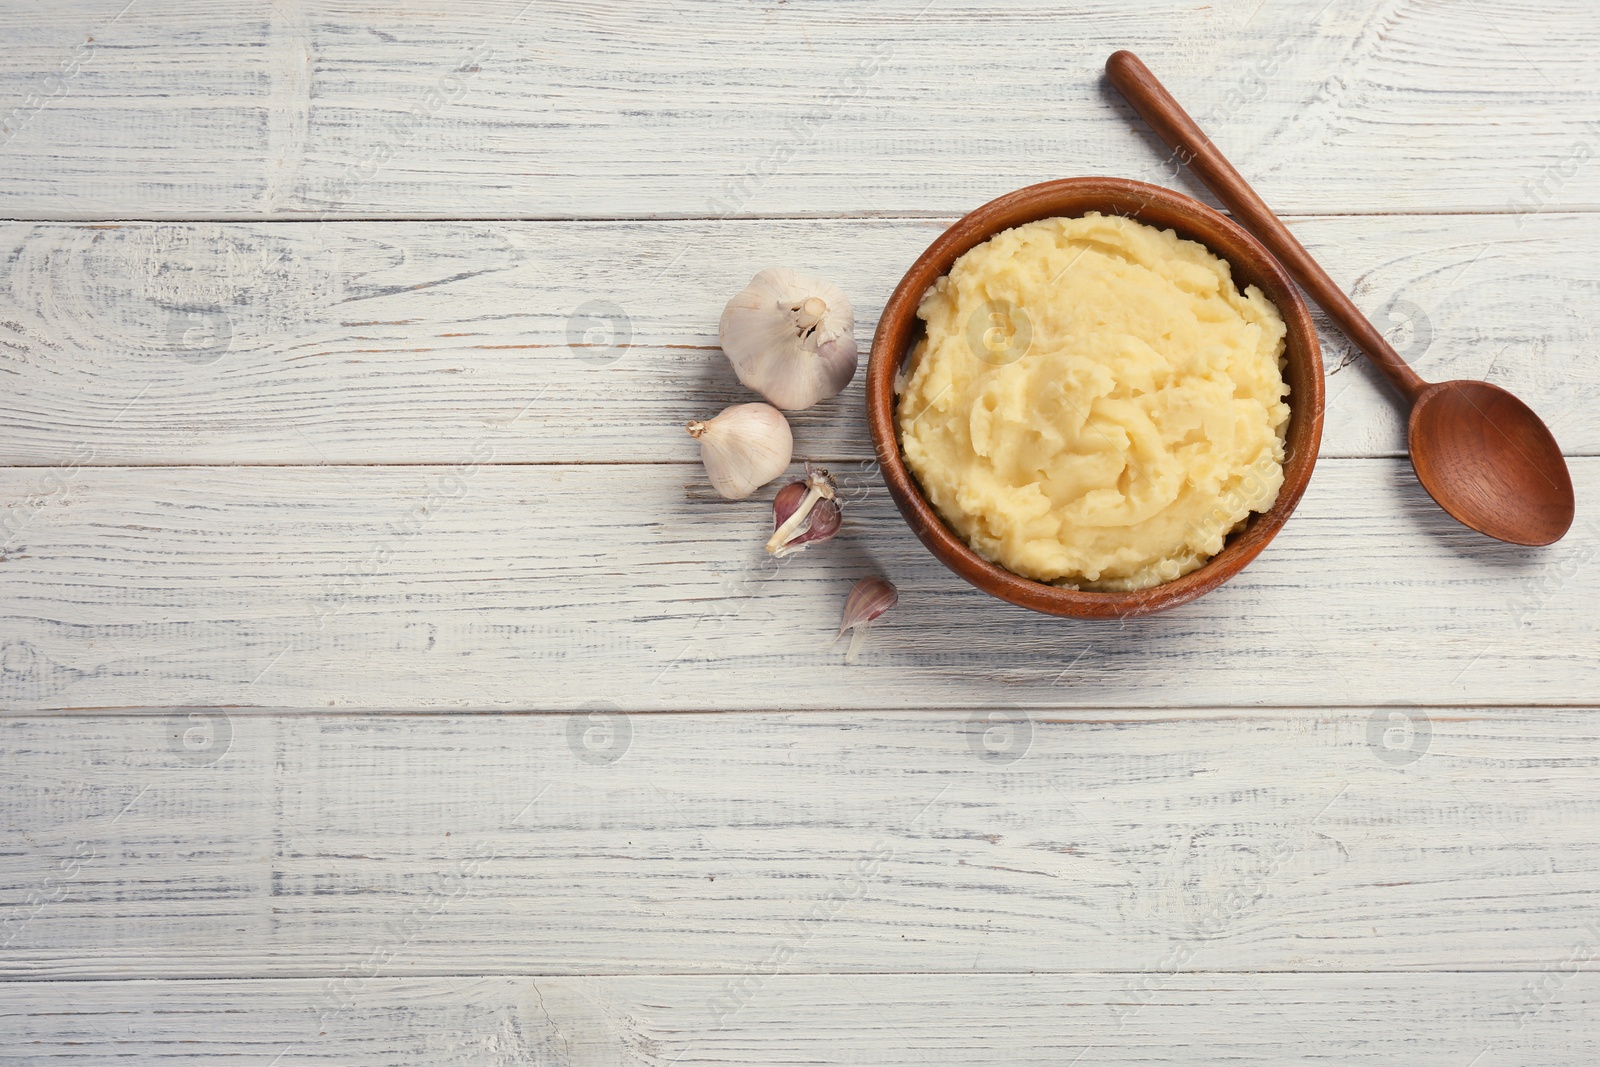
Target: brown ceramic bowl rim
1165	209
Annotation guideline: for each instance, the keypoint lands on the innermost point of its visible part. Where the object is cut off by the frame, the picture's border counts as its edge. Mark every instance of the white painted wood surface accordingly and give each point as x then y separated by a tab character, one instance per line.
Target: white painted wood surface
541	587
352	477
704	108
409	342
1433	1020
306	845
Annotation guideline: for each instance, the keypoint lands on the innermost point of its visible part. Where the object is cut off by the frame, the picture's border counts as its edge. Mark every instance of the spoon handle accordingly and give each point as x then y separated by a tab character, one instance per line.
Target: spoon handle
1191	146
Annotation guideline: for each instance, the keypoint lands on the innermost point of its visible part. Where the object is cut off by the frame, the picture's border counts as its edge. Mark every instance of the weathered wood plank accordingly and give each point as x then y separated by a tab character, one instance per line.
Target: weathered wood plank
505	109
408	342
1435	1020
240	845
541	587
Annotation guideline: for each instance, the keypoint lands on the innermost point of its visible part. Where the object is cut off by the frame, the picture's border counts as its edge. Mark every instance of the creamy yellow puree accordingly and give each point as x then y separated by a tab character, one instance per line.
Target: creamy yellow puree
1095	403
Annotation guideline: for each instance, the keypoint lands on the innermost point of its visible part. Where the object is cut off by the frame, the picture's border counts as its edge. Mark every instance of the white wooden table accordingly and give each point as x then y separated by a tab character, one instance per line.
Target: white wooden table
346	352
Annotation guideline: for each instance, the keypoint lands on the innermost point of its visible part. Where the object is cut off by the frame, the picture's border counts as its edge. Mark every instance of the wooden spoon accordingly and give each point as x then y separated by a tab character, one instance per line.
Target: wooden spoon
1481	453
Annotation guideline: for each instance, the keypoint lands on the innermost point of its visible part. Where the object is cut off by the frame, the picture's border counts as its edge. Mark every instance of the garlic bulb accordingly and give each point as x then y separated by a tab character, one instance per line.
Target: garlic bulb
790	338
804	513
744	448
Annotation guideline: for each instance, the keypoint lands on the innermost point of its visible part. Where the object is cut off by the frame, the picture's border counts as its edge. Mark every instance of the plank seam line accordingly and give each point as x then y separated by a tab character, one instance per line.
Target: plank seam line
311	218
435	976
1384	457
1070	714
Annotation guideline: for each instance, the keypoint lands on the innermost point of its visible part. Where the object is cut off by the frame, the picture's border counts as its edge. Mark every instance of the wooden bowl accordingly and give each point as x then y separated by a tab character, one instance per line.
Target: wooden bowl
1164	209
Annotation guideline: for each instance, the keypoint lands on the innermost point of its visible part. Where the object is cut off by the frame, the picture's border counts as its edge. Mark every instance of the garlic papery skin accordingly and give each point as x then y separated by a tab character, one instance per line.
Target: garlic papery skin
790	337
869	599
804	513
744	448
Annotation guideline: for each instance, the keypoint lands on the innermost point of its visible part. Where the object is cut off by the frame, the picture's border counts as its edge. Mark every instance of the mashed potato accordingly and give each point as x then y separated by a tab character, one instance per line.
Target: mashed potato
1095	404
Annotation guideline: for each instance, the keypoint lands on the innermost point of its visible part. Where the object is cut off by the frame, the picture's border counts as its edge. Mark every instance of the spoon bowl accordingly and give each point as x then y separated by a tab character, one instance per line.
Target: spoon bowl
1489	461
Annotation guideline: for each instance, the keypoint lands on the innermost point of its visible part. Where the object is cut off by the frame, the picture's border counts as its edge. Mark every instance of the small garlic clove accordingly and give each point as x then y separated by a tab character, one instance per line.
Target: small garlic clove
744	448
817	525
868	600
791	338
787	502
823	522
804	513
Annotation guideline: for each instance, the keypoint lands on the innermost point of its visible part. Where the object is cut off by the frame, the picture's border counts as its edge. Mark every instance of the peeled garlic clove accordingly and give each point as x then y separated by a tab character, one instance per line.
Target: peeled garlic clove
869	599
790	337
804	513
744	448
